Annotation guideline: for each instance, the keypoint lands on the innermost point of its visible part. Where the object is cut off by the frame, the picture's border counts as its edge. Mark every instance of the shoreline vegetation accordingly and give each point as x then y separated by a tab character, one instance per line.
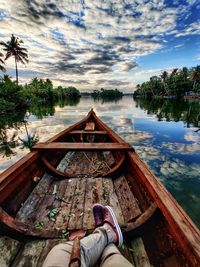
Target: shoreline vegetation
175	84
15	98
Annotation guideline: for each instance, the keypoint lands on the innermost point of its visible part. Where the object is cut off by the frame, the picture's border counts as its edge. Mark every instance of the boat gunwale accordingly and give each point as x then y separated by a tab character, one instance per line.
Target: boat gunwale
183	229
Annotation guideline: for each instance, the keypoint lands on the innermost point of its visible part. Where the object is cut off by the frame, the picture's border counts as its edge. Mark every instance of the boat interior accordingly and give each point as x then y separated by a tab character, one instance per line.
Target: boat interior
51	193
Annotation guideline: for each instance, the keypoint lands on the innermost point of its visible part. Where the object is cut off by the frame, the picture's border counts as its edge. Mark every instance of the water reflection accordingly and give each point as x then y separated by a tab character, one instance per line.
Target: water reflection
173	109
158	130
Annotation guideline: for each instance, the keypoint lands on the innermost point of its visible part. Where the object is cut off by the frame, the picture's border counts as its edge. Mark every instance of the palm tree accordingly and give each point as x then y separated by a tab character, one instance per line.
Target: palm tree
13	48
1	63
195	76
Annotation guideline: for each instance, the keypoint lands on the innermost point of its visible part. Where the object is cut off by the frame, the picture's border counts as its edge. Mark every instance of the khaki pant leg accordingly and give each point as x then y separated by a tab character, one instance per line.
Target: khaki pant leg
59	256
111	257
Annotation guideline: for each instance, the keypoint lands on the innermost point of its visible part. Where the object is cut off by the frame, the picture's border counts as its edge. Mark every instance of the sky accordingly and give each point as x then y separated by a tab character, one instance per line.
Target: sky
92	44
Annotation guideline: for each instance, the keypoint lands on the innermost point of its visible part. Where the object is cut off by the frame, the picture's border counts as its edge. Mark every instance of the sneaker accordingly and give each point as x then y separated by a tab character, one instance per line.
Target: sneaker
98	212
110	218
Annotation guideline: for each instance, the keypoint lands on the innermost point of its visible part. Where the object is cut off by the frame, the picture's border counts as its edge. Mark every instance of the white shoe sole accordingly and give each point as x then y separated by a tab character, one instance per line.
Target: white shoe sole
119	232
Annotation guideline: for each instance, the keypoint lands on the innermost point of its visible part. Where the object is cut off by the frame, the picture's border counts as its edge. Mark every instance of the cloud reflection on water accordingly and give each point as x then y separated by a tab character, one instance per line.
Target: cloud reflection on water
170	155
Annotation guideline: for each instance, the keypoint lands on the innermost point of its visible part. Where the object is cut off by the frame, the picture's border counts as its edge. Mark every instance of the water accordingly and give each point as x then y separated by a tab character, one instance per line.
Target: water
164	133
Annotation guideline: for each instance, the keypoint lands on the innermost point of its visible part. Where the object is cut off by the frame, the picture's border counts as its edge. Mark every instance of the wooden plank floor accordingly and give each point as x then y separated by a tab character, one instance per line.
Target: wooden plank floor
72	200
67	203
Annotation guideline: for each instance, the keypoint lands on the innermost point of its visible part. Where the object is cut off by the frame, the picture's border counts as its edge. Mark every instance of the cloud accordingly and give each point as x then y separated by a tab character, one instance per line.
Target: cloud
192	29
90	40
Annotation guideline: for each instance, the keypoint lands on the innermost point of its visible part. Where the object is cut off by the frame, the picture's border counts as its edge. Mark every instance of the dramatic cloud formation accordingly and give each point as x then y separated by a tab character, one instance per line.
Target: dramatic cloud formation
92	44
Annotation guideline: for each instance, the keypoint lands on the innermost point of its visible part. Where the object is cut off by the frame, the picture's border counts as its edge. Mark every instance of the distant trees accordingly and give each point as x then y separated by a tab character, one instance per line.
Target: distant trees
13	49
39	90
174	83
107	93
67	92
14	97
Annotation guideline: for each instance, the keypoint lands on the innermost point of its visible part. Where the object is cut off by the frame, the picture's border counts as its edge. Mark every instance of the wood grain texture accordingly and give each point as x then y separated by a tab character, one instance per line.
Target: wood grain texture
82	146
128	202
66	205
90	199
139	253
77	209
8	250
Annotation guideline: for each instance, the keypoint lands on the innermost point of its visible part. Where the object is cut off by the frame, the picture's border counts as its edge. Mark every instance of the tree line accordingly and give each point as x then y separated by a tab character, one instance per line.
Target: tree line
14	97
106	94
176	83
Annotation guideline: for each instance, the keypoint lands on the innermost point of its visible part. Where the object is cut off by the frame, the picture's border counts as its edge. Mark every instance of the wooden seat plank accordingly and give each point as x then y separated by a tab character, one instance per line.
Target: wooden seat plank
128	203
90	199
8	250
101	196
30	254
90	126
83	146
88	132
25	213
139	253
52	200
77	210
113	199
65	207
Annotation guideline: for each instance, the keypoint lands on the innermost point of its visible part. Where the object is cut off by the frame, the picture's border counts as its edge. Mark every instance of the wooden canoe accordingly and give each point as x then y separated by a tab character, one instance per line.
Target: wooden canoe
48	195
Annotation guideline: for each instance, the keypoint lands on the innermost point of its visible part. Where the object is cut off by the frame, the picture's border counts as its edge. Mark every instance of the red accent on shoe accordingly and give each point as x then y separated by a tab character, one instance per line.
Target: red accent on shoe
98	212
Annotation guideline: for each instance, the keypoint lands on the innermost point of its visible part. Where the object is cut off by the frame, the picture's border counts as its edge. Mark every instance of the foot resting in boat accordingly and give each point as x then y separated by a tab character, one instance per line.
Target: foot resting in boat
101	244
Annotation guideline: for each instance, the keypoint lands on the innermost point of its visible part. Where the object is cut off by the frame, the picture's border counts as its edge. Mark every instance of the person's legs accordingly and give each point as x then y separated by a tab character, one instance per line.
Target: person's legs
59	256
112	257
92	247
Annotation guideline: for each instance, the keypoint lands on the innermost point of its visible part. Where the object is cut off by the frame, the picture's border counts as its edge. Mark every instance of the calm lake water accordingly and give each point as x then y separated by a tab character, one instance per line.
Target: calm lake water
164	133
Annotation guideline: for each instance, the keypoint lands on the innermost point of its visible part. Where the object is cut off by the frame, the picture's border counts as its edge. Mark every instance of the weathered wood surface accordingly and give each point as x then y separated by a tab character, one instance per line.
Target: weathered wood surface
34	253
139	253
181	227
29	207
65	207
88	132
82	146
8	250
90	126
128	202
90	199
142	219
77	208
113	201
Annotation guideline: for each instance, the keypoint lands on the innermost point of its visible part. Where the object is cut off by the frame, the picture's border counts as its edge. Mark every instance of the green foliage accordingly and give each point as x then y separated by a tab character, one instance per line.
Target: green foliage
52	214
177	83
39	224
39	91
107	94
11	96
66	92
30	142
